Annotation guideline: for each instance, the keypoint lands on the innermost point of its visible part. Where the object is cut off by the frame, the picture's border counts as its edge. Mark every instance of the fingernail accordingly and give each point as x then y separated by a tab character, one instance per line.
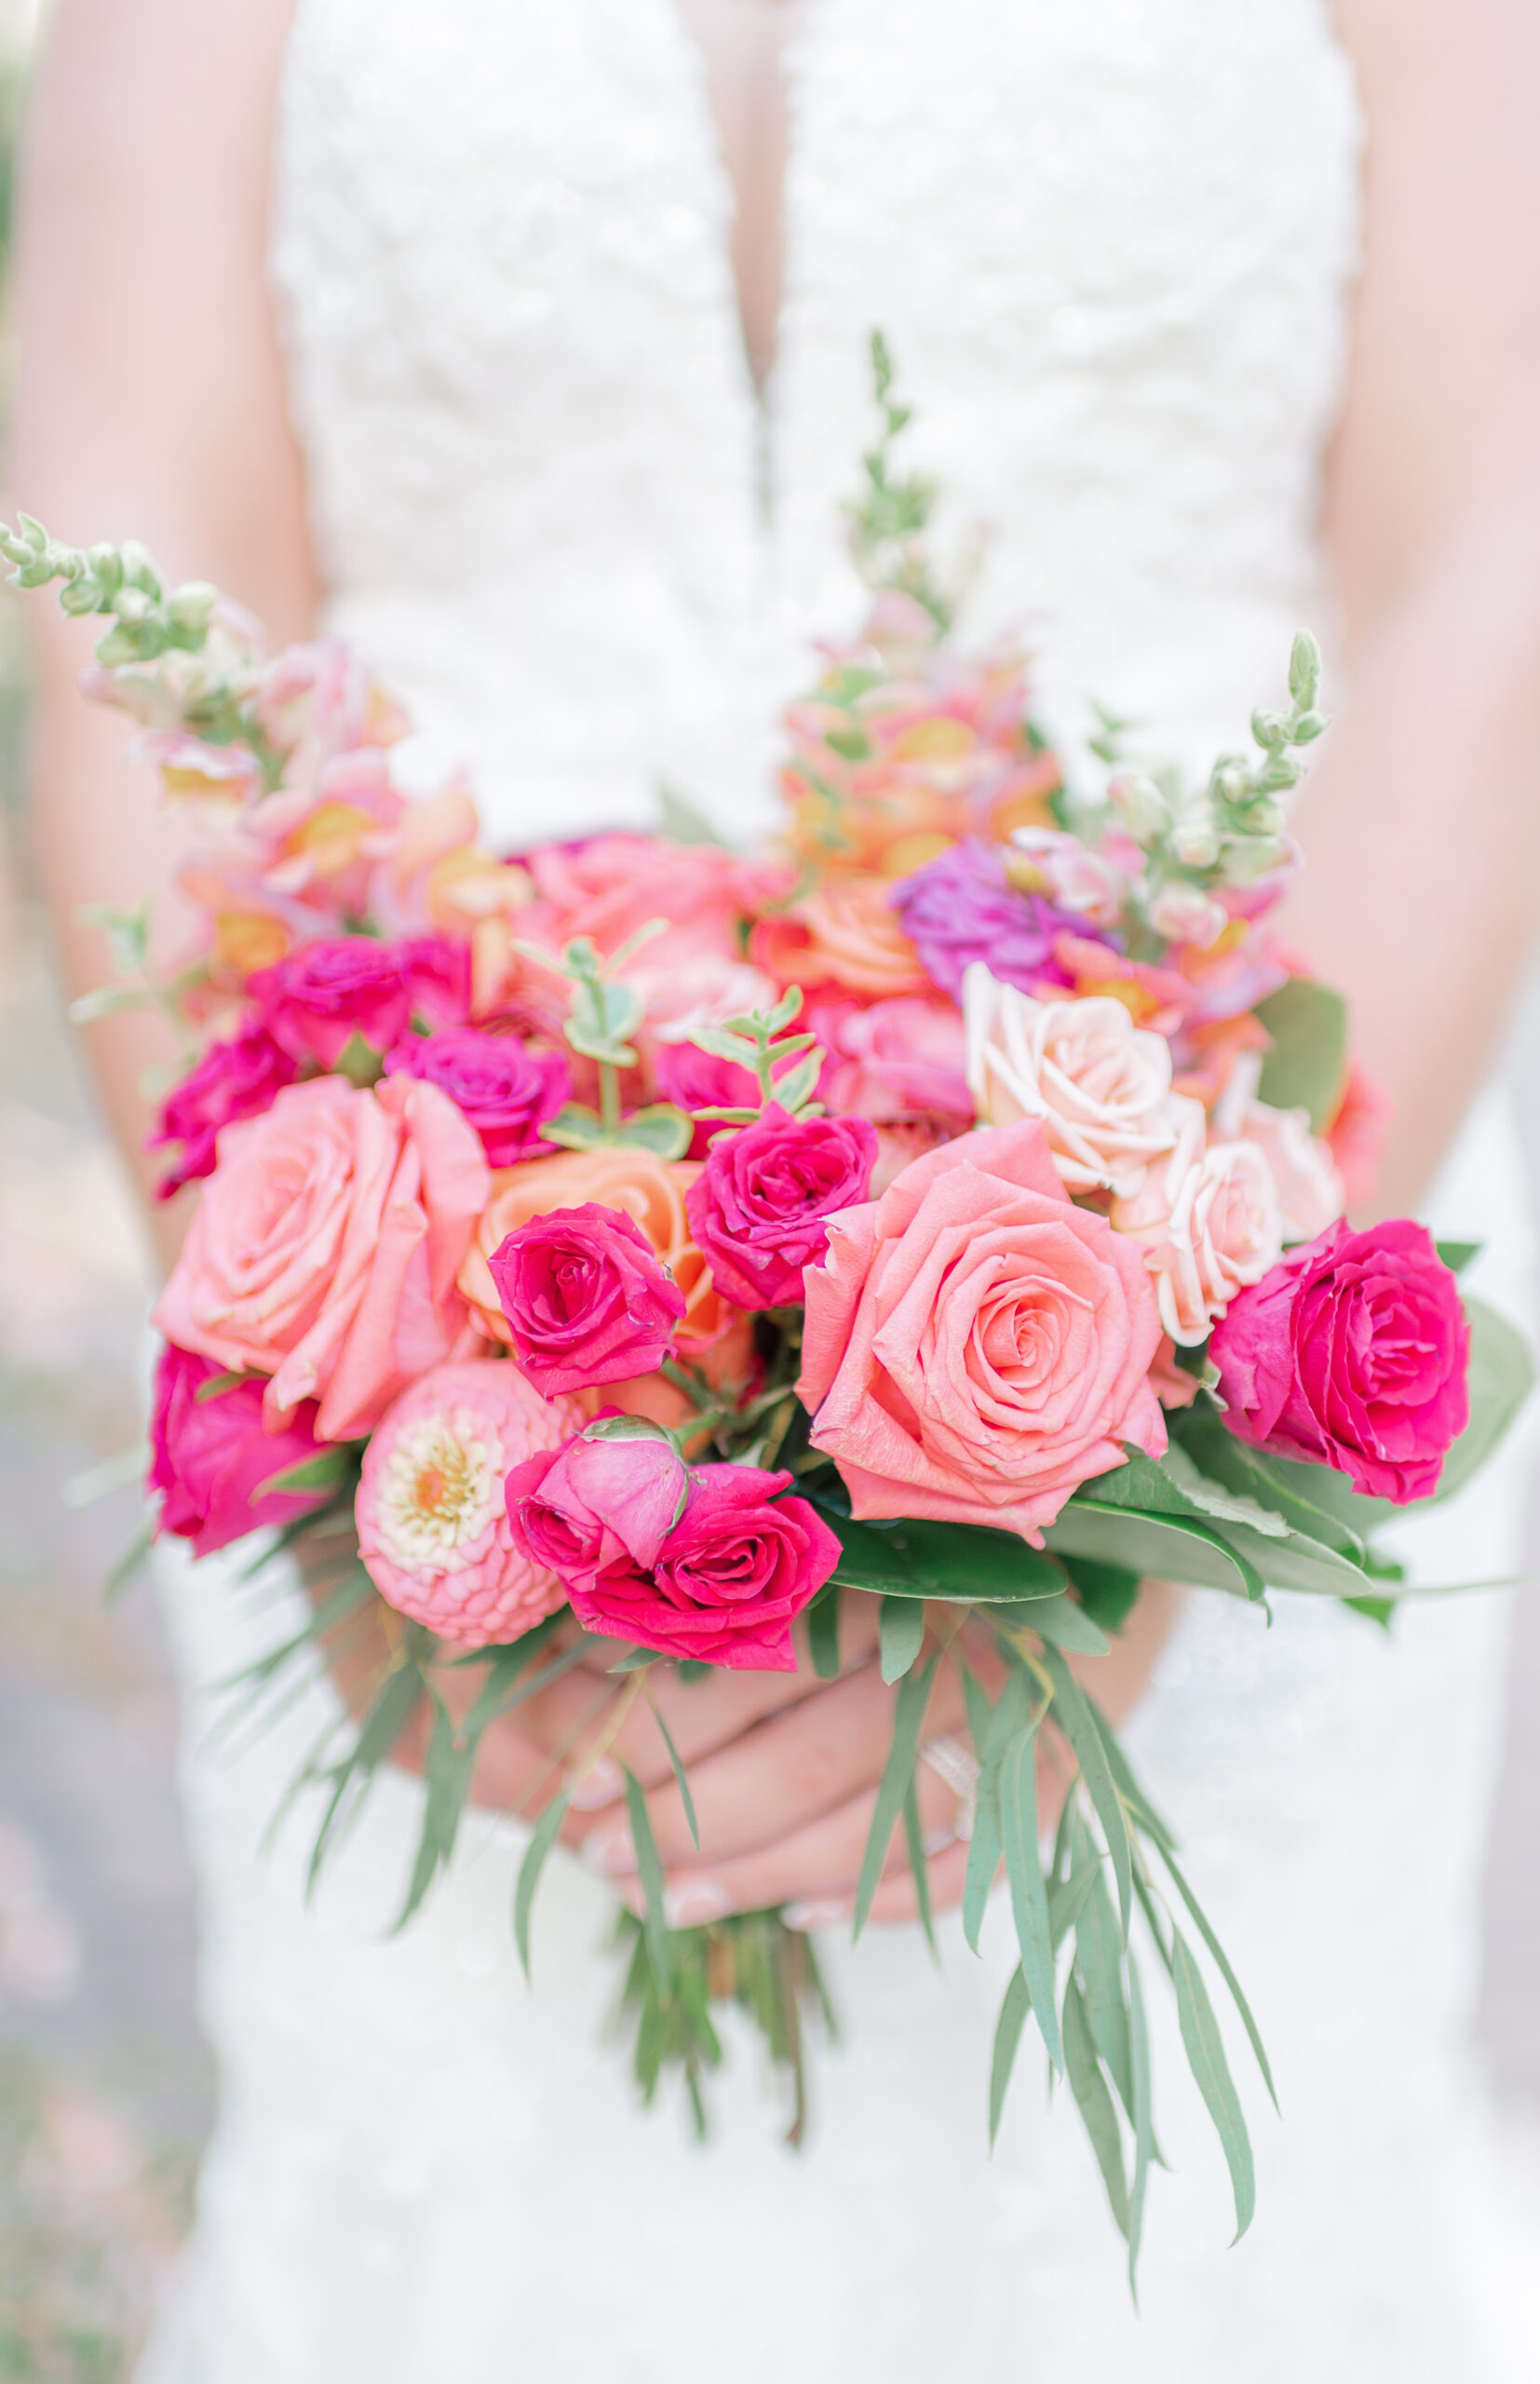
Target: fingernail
600	1784
939	1840
695	1900
815	1914
609	1851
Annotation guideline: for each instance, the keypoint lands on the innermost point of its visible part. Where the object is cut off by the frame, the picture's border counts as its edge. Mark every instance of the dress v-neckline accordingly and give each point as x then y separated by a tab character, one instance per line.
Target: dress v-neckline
787	60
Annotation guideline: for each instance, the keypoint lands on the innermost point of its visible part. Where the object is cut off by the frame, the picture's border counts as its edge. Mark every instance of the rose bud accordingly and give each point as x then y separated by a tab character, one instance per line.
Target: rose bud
585	1298
1351	1353
210	1457
760	1207
732	1576
598	1502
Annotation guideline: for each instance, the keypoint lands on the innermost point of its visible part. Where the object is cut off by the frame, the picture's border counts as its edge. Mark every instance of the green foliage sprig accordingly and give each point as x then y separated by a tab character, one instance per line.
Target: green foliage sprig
760	1043
889	518
603	1014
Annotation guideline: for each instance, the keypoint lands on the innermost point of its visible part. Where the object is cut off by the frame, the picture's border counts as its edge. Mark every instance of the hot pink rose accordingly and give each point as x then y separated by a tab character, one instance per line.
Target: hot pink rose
587	1298
976	1347
732	1574
505	1090
759	1209
433	1526
597	1504
692	1079
317	999
1353	1352
210	1456
237	1077
325	1247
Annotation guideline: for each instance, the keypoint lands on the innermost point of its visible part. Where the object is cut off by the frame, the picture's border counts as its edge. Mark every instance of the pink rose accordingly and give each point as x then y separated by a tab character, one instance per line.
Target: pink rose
433	1526
608	886
759	1209
1101	1085
1208	1221
210	1457
1309	1188
976	1346
894	1061
325	1246
317	999
586	1297
695	1079
732	1574
597	1504
505	1090
1352	1353
237	1077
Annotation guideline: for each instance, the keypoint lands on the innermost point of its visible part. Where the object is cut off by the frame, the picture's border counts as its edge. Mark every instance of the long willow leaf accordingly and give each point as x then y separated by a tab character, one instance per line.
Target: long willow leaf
1205	2049
902	1627
1028	1891
1073	1716
1222	1963
919	1866
1138	2047
1008	2036
1094	2102
684	1796
907	1714
546	1830
650	1872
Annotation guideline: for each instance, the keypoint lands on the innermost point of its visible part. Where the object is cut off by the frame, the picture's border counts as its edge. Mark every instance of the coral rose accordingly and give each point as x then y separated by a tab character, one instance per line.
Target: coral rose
1100	1084
760	1207
325	1247
210	1456
585	1298
1353	1353
847	933
976	1347
433	1524
894	1061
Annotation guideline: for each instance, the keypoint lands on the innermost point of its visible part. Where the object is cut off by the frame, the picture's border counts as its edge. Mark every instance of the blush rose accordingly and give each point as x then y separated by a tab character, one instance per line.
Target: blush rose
1353	1352
976	1346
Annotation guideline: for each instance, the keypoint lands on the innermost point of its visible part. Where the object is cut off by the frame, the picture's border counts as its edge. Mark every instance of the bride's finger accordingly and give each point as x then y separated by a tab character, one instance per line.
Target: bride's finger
777	1778
819	1862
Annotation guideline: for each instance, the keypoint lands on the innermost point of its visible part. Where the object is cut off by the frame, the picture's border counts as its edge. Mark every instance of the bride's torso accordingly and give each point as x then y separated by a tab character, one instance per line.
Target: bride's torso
1110	246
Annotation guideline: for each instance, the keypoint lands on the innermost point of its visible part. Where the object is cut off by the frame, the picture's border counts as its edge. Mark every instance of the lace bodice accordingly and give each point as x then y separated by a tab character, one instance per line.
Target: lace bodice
1109	244
1110	241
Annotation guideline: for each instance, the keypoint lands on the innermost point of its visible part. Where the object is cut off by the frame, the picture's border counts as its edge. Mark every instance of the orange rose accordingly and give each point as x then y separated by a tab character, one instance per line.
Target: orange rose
845	934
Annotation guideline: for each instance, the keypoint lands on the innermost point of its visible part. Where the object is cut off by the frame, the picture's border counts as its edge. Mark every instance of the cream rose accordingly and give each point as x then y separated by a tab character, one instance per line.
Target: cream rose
1309	1188
1210	1223
1099	1086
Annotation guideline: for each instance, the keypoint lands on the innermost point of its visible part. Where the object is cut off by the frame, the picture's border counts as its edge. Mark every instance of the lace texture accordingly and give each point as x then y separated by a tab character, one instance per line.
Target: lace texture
1111	245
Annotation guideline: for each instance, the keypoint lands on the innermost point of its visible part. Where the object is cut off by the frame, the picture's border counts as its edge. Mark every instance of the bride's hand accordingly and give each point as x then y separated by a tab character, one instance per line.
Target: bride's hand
783	1767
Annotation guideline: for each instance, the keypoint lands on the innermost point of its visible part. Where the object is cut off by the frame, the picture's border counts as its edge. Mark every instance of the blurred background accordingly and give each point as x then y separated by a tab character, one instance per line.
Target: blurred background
105	2091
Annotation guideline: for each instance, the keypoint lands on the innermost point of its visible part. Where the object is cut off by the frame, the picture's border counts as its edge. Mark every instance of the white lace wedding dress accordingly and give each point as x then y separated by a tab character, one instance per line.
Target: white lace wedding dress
1112	246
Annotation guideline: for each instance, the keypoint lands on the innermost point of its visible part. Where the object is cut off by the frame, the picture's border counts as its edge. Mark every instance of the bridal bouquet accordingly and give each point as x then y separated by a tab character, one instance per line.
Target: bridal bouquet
632	1240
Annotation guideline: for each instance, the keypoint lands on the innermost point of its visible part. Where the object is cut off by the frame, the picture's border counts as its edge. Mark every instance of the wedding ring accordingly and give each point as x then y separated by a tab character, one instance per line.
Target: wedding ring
958	1765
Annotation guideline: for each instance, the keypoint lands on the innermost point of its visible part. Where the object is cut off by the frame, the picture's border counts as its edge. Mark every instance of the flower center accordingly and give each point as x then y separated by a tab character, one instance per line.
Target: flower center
437	1495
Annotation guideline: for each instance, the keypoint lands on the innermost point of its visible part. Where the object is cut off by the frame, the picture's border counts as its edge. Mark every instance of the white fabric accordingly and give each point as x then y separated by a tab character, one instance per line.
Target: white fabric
1111	245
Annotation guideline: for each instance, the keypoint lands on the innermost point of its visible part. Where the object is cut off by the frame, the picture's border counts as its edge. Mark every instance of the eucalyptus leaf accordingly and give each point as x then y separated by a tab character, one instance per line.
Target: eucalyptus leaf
1095	2104
902	1630
1029	1894
663	1129
907	1716
544	1837
1074	1717
1170	1546
1139	2050
823	1632
1008	2036
1205	2049
649	1869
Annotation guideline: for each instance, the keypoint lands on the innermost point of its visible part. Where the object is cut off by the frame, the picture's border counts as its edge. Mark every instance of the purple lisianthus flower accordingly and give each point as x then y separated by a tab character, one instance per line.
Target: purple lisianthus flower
505	1090
962	907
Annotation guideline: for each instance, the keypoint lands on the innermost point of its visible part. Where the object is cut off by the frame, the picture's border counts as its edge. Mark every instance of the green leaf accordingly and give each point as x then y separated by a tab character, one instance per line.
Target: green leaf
1138	2049
1222	1963
1008	2036
991	1733
681	823
684	1796
662	1129
1067	1625
963	1563
795	1086
322	1472
1140	1481
1099	1965
649	1868
1501	1376
1172	1548
1457	1255
1075	1718
216	1385
1204	2051
446	1776
382	1726
626	1427
1107	1592
1067	1900
918	1864
1029	1894
106	1002
1380	1610
574	1128
823	1632
1089	2089
544	1837
1291	1490
902	1628
1307	1063
1223	1506
907	1714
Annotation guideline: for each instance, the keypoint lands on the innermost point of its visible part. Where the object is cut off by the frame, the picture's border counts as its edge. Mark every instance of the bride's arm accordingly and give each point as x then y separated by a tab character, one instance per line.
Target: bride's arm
1429	791
149	404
